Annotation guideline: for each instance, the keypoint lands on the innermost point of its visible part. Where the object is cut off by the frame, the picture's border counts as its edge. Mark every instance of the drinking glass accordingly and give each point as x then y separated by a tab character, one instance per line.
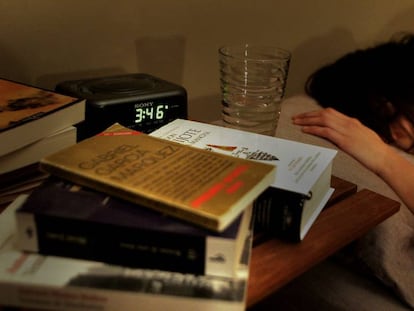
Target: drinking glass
253	81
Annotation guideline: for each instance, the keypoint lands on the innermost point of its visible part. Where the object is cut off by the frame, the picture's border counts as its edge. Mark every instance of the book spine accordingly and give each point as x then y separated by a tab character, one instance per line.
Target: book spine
279	213
53	283
72	298
54	298
119	245
139	248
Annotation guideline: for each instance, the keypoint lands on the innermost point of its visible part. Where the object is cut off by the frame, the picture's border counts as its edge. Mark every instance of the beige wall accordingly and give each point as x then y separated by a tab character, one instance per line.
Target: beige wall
47	41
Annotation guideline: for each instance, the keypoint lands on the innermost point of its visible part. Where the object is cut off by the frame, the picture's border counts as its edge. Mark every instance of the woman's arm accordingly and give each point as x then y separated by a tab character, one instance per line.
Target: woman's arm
365	146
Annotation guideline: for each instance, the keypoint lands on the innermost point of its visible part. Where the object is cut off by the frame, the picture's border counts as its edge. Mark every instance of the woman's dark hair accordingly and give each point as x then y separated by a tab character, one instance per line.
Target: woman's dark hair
372	85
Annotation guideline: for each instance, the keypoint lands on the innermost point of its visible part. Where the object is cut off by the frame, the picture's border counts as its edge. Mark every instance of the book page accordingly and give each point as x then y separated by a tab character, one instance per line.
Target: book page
299	165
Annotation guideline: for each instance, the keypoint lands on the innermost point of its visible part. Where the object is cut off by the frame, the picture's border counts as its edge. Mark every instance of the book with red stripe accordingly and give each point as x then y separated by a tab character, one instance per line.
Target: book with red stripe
202	187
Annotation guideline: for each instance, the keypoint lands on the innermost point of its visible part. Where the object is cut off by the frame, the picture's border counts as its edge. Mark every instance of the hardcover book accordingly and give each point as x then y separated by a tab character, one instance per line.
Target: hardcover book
300	189
206	188
62	219
28	113
58	283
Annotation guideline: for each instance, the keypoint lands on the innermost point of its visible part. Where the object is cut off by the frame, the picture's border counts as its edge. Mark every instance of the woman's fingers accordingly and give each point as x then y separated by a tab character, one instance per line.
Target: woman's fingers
349	134
319	117
325	118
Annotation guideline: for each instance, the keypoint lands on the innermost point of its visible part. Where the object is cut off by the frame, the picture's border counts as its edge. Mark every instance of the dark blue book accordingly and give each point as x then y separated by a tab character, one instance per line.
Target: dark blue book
63	219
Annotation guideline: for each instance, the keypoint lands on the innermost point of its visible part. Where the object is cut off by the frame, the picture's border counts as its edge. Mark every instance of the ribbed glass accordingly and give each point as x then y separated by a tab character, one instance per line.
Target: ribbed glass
253	80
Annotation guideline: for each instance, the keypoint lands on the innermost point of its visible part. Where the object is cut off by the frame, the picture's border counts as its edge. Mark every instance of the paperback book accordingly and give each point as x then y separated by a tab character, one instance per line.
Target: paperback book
33	152
63	219
29	113
202	187
298	192
25	281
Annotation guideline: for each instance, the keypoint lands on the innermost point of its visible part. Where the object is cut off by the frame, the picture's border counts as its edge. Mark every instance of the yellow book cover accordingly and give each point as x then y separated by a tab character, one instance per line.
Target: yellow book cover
203	187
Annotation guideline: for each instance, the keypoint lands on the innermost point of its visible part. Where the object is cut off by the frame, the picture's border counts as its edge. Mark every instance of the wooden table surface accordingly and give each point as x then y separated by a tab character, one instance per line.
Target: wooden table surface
348	216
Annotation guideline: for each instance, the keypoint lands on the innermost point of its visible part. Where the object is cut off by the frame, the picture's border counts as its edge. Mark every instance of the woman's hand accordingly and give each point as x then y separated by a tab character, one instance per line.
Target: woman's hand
347	133
364	145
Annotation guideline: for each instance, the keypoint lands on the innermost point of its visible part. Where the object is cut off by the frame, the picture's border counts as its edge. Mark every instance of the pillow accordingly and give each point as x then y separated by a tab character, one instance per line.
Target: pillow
388	249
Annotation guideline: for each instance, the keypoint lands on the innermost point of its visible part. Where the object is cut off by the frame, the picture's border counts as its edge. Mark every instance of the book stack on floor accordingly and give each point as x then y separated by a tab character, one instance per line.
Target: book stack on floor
34	122
300	189
125	216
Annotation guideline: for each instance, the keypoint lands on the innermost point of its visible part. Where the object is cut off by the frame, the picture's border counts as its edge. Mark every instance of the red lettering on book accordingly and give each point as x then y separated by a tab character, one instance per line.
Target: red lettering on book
234	187
121	133
207	195
230	178
235	173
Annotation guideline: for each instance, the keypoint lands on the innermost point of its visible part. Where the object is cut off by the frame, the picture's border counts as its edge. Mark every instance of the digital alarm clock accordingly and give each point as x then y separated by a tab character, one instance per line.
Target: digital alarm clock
138	101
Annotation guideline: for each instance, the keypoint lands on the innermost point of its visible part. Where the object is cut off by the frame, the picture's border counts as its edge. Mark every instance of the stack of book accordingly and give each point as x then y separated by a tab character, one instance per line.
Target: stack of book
129	221
45	282
34	122
302	185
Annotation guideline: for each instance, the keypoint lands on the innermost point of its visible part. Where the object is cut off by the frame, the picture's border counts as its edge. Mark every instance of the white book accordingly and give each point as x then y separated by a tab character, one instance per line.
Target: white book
34	151
301	187
58	283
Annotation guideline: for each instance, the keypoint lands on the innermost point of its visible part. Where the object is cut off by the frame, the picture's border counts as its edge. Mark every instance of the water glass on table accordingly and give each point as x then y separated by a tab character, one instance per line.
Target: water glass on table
252	81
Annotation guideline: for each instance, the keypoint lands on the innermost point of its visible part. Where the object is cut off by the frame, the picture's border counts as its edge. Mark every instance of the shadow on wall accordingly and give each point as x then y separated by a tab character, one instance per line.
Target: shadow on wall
206	108
162	56
318	51
402	22
50	81
11	67
314	53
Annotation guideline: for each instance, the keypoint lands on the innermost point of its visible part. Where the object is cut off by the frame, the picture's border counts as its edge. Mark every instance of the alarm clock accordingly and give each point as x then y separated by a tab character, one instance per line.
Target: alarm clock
139	101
